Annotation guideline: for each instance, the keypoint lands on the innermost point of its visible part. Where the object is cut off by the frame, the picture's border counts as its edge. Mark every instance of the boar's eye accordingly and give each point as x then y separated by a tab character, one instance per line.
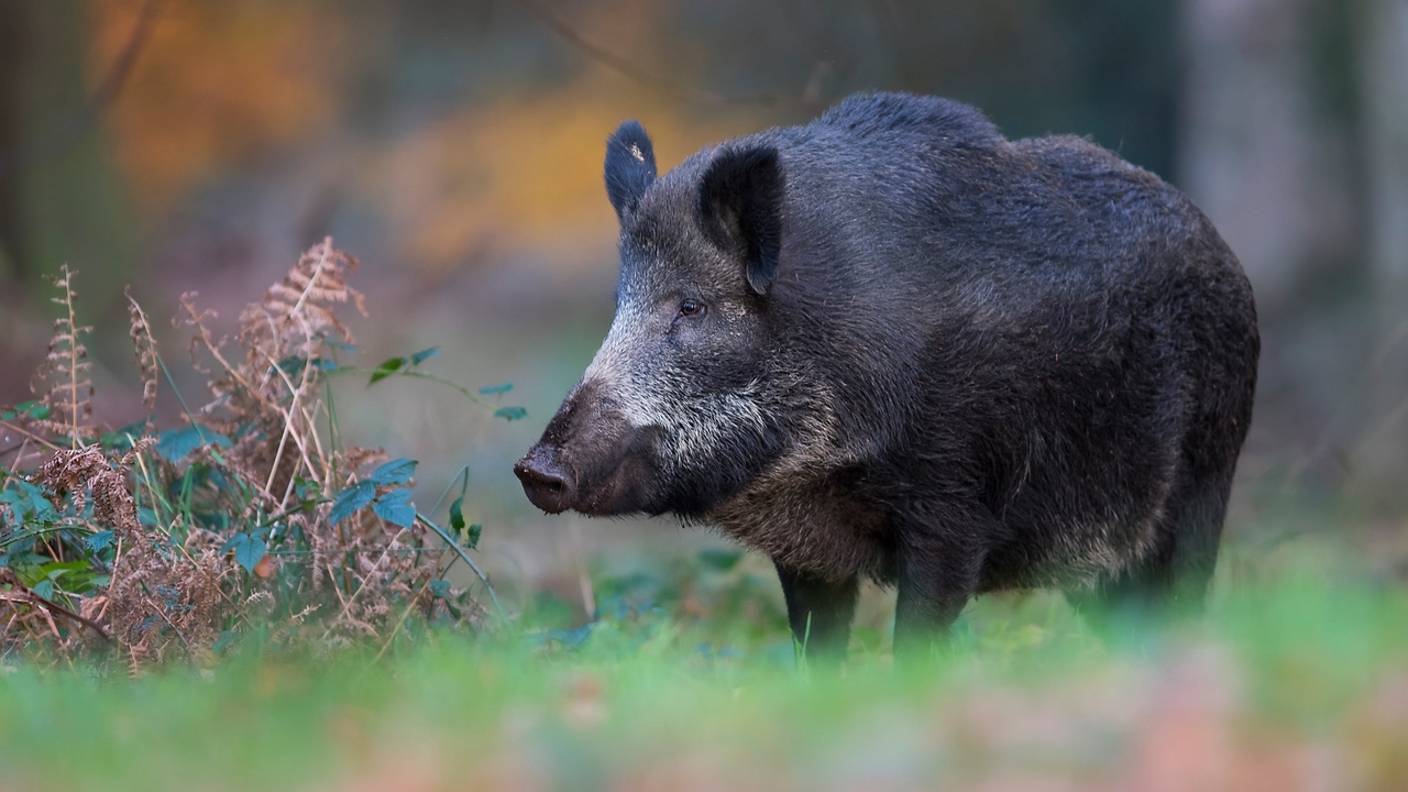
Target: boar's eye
691	308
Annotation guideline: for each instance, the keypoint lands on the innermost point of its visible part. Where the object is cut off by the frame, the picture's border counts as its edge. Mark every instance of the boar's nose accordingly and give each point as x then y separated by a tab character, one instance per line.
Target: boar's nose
545	481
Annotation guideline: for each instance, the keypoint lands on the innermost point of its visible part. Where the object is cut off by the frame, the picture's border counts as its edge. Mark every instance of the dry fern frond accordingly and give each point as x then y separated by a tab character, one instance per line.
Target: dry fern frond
302	308
83	470
63	381
174	578
144	347
285	338
153	588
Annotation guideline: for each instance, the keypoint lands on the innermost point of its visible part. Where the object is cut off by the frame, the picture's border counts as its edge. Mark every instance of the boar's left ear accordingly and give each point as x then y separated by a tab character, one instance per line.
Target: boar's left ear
630	167
740	199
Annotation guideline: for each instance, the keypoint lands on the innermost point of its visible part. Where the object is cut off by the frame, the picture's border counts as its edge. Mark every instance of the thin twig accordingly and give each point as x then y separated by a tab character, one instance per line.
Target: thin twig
454	545
190	651
630	70
27	595
107	92
396	630
289	431
307	368
197	320
346	605
36	438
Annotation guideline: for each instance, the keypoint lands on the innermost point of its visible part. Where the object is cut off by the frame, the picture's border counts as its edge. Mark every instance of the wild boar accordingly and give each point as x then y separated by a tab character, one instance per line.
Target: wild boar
891	343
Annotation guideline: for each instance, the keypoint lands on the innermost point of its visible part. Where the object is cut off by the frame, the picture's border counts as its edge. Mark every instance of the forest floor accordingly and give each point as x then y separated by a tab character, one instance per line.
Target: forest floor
1290	681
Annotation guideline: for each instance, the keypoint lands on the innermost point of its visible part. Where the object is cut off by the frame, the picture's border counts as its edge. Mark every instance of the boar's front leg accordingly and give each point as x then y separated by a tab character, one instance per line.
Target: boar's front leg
819	610
937	571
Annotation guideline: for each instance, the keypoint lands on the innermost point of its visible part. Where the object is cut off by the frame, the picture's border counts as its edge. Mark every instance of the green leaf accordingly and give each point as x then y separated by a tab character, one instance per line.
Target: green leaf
440	588
44	588
100	541
387	368
117	439
496	390
57	569
27	500
475	531
424	355
395	507
719	558
249	550
225	641
34	409
397	471
457	515
510	413
350	500
175	445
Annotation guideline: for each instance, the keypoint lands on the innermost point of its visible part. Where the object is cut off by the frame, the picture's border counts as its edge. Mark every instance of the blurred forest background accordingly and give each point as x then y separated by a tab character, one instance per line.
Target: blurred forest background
455	147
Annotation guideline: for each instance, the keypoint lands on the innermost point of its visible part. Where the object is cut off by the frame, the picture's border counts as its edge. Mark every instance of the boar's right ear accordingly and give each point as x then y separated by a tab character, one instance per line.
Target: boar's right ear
630	167
740	200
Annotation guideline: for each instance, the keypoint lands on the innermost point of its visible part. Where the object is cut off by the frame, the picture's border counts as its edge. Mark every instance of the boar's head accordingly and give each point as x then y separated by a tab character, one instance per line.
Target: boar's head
672	415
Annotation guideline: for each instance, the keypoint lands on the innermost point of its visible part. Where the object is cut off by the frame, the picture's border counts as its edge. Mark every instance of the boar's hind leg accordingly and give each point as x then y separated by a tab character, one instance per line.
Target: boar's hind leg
1195	525
819	610
1174	579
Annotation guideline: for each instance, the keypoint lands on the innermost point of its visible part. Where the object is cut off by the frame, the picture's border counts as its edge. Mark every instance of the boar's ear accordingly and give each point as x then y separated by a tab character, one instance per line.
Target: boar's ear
740	199
630	167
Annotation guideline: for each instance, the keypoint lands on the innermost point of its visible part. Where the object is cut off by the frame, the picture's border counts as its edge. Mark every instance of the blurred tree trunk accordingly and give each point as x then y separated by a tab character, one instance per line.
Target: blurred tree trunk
73	204
15	359
13	39
61	198
1270	161
1258	155
1383	455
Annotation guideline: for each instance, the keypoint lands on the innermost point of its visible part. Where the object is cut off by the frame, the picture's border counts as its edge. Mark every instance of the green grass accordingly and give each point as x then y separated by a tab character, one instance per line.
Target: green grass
1296	678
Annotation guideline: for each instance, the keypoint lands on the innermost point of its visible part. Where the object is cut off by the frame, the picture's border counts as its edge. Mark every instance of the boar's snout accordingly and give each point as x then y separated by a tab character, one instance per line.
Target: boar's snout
546	482
590	459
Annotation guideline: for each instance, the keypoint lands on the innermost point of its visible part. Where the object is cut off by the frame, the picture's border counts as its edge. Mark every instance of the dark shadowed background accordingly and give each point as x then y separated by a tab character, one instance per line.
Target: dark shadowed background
455	147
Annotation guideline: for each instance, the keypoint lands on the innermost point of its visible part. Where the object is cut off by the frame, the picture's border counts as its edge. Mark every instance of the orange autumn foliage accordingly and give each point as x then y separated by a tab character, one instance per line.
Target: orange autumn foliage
214	83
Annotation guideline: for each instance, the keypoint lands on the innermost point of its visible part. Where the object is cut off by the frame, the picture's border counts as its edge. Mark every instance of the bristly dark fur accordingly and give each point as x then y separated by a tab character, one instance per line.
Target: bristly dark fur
929	355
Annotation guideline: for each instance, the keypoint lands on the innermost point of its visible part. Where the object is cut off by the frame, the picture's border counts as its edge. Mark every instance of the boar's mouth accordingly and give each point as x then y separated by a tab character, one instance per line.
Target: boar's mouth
590	460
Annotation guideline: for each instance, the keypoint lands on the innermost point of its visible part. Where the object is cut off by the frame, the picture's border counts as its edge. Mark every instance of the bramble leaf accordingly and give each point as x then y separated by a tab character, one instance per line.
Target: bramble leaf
100	541
397	471
424	355
249	550
26	500
350	500
175	445
395	507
